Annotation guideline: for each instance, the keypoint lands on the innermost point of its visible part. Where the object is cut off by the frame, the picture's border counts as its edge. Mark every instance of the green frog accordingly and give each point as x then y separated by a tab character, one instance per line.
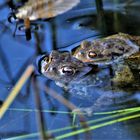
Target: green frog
121	51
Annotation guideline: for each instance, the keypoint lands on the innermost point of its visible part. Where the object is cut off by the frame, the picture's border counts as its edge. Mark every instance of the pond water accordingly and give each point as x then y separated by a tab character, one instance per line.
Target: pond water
65	32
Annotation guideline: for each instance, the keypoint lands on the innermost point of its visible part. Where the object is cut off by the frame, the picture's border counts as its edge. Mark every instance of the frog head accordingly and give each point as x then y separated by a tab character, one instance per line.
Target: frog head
90	52
62	67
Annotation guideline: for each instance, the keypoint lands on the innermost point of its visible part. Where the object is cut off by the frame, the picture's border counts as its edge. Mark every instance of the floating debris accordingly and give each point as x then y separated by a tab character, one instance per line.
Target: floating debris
41	9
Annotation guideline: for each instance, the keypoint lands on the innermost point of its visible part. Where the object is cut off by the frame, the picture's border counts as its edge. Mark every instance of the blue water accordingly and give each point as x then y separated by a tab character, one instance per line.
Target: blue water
70	29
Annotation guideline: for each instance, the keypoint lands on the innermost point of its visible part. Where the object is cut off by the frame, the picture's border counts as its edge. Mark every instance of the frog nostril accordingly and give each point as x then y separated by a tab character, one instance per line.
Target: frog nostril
51	69
81	53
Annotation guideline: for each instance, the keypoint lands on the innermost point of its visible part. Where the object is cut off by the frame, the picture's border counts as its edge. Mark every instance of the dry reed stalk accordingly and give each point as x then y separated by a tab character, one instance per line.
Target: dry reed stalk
16	90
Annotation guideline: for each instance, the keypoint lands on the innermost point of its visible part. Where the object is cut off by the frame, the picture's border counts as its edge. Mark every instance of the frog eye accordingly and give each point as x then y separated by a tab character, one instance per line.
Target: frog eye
68	71
92	54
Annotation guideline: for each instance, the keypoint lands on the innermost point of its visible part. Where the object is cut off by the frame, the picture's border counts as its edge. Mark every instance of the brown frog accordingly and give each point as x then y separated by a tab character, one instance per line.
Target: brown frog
63	68
75	76
107	50
78	78
119	50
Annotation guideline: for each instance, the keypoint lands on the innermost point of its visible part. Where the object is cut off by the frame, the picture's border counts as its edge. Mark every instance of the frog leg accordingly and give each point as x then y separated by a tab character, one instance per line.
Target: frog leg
100	104
135	39
134	61
63	85
123	75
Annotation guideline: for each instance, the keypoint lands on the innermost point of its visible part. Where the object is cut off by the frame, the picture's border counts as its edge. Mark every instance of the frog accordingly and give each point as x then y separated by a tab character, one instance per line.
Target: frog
107	50
80	79
121	51
63	68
